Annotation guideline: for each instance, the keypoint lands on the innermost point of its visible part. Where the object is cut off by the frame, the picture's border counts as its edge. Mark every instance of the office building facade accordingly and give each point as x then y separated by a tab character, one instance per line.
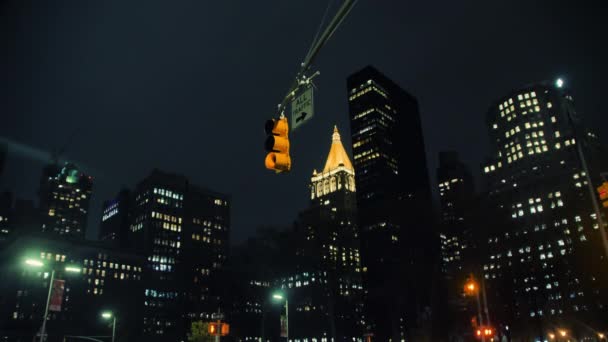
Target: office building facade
330	269
394	206
183	231
543	259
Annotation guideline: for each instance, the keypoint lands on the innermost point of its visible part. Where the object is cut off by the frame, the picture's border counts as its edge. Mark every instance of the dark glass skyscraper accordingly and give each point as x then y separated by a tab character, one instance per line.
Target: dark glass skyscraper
394	206
183	231
456	200
456	193
544	262
65	193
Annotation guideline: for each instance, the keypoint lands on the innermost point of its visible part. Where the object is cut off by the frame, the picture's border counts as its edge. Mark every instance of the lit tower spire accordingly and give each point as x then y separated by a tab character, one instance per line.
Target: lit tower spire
338	173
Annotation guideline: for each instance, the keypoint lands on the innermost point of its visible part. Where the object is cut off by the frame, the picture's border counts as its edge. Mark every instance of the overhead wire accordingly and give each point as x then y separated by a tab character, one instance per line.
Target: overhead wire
318	43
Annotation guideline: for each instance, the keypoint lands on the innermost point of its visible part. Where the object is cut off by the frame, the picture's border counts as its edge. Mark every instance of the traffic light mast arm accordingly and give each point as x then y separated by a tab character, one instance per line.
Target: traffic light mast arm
312	54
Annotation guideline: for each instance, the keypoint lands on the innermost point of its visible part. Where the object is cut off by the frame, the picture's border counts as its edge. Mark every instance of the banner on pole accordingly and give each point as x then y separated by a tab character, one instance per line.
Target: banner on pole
57	295
283	326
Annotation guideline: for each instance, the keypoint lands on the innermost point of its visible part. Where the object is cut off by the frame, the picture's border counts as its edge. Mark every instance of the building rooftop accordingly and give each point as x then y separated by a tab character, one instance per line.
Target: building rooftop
337	154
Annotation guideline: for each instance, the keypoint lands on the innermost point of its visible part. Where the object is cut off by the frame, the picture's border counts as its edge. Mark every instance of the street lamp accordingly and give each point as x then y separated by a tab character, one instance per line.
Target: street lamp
37	264
277	296
562	333
107	315
551	336
601	336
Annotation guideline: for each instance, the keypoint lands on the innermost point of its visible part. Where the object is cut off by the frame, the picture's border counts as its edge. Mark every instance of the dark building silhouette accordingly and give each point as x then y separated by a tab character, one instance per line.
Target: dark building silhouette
458	259
456	196
394	207
543	260
183	231
115	217
3	156
26	217
329	287
65	193
253	274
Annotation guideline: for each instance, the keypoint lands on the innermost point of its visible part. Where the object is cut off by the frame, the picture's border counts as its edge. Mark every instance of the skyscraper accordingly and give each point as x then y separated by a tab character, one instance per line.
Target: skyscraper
183	231
456	193
544	261
115	219
394	205
456	199
65	193
330	250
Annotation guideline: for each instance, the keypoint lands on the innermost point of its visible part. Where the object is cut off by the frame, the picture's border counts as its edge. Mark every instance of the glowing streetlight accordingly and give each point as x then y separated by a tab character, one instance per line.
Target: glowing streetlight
34	263
563	333
470	288
559	83
107	315
601	336
73	269
551	336
37	263
277	296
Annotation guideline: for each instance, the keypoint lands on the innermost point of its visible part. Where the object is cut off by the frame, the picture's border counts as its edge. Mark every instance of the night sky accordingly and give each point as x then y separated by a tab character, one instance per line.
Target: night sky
185	86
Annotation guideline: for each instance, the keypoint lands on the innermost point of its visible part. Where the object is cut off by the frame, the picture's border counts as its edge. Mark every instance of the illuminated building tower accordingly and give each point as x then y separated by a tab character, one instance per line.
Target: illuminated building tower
64	200
115	219
394	206
330	251
543	254
183	232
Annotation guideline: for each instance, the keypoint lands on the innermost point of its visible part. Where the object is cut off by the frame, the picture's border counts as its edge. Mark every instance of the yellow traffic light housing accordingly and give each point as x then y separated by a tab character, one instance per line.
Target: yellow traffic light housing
277	145
602	190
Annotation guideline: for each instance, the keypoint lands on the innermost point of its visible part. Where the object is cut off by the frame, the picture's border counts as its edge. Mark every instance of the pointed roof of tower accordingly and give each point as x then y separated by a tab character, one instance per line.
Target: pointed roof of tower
337	154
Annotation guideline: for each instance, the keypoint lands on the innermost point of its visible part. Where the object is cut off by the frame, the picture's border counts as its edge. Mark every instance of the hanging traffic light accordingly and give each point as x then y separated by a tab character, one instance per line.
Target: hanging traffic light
218	329
277	145
484	331
602	190
213	329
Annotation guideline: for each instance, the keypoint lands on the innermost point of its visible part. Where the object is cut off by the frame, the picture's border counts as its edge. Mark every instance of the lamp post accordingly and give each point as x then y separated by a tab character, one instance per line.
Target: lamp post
38	264
279	297
107	315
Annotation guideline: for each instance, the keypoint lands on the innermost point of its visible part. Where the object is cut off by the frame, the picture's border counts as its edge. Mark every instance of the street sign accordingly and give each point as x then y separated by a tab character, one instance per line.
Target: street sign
302	108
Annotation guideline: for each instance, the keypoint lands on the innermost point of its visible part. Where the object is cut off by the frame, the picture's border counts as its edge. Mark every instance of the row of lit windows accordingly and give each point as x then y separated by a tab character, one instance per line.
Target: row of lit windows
168	193
111	265
109	214
168	243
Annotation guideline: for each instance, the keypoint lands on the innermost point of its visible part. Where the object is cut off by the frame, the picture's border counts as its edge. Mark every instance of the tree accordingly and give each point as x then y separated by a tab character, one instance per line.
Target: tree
199	332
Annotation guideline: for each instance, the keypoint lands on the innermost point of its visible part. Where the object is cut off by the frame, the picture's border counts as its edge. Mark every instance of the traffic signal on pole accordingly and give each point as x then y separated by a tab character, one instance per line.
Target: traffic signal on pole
213	329
277	145
602	190
225	329
484	331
